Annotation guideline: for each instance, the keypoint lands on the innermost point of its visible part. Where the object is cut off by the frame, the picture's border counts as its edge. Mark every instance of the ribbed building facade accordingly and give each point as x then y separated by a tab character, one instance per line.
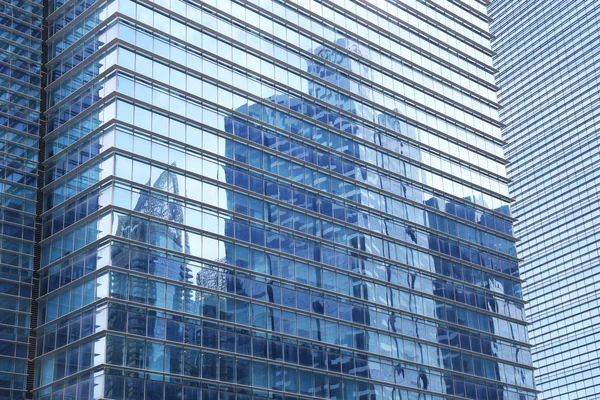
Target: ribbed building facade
20	86
548	77
275	199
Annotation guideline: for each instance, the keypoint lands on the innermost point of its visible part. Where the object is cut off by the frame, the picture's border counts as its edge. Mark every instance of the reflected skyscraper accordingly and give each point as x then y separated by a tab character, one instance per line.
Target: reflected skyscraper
547	73
275	200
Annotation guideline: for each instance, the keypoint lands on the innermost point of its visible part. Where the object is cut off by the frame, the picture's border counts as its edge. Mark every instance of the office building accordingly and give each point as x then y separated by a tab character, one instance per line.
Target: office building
20	84
548	79
285	200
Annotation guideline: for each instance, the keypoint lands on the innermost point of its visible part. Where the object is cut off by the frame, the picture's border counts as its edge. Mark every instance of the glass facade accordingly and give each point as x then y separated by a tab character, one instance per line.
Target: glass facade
276	200
20	86
548	78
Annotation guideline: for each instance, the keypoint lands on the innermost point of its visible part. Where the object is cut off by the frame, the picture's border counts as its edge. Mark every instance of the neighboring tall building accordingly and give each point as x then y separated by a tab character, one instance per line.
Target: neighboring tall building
284	200
548	78
20	87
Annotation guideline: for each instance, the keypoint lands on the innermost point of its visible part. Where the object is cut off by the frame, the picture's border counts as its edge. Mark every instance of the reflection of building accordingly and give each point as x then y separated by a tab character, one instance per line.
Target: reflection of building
160	208
310	265
137	228
330	75
212	278
442	288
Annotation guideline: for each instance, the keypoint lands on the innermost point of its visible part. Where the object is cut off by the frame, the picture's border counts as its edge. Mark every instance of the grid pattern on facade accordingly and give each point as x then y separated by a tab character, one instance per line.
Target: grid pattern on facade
548	76
20	84
286	200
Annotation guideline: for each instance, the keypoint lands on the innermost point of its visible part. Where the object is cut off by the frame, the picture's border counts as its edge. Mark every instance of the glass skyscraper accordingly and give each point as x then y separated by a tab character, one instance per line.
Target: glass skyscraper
273	200
20	85
548	63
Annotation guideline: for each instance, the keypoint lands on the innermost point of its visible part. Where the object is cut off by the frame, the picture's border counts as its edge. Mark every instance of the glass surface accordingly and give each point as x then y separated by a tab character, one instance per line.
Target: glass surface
554	182
20	78
258	210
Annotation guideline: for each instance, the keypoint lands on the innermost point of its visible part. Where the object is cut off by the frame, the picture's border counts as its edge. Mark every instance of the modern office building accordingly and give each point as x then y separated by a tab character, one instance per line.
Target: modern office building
265	199
548	78
20	85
